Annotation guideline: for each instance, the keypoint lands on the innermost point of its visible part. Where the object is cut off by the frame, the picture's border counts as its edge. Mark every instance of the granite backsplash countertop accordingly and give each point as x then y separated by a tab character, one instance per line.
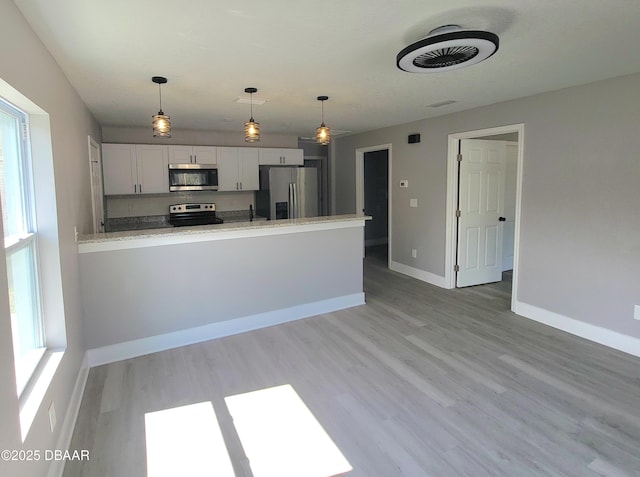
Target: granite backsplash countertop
121	224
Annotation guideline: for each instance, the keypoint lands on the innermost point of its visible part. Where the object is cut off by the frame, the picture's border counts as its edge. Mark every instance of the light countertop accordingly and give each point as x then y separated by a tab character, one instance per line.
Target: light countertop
199	233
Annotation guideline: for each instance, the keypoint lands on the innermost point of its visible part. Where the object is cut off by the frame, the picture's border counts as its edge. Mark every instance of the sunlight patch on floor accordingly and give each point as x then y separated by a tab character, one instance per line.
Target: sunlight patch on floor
281	437
186	441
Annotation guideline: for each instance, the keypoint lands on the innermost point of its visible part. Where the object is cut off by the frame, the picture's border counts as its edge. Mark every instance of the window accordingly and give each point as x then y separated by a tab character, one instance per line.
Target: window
20	242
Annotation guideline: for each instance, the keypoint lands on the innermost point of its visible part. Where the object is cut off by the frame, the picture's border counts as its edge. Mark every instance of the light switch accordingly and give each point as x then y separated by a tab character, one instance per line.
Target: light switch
636	312
413	202
404	184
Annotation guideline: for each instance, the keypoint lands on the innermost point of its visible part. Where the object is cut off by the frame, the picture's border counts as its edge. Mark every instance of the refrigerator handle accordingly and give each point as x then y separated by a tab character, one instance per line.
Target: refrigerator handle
295	200
290	211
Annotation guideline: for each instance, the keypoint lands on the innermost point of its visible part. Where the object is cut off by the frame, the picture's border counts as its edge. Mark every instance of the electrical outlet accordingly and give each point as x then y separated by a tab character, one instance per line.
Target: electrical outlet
414	253
413	202
636	312
52	417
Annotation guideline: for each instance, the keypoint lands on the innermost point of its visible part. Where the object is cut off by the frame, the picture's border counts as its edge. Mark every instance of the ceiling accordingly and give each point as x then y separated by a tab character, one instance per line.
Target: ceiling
294	51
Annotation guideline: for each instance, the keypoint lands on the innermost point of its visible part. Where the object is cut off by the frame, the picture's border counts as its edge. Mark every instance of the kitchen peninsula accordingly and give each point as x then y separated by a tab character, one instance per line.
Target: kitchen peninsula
148	290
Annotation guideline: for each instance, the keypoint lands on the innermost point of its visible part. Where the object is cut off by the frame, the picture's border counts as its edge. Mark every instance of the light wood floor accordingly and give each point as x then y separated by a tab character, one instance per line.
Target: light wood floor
420	381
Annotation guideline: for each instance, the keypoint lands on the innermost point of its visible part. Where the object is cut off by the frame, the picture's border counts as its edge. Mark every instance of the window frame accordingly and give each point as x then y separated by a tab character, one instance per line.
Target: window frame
26	366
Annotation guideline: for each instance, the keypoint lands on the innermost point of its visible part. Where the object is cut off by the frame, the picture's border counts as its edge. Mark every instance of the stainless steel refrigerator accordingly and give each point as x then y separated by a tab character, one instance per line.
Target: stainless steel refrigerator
287	192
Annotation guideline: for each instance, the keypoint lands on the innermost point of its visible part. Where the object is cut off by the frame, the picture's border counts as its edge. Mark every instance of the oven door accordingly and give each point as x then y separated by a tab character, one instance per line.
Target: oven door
184	177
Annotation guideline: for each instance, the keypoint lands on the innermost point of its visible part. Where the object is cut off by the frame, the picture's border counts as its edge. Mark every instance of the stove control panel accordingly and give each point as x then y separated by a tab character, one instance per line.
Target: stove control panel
180	208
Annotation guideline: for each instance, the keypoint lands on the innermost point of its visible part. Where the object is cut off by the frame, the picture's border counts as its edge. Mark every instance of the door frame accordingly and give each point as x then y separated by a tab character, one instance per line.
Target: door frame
452	195
324	176
93	144
359	164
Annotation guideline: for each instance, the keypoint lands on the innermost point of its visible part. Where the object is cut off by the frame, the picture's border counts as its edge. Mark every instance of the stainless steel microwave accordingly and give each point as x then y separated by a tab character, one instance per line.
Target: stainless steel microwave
193	177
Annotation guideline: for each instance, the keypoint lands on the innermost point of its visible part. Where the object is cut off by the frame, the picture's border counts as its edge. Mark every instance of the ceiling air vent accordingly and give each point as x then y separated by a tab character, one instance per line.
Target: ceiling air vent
448	48
441	103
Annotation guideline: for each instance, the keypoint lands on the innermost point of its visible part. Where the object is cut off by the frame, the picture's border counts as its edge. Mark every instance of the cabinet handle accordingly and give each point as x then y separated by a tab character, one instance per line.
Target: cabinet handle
241	186
135	188
195	159
140	188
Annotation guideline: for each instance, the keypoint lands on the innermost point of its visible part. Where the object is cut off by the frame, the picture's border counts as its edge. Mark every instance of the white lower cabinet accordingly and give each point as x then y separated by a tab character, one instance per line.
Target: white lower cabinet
135	169
238	169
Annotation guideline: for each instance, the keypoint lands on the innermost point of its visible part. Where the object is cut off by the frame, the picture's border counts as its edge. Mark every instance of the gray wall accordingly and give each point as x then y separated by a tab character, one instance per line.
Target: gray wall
195	137
28	67
143	292
580	230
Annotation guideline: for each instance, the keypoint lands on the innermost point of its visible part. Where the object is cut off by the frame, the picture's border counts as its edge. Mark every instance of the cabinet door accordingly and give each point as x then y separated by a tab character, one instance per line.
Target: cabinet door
248	166
153	169
180	154
270	156
204	154
119	169
228	169
293	157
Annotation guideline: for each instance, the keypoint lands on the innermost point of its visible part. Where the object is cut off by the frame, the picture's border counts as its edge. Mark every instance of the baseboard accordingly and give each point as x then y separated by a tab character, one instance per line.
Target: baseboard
604	336
428	277
153	344
66	431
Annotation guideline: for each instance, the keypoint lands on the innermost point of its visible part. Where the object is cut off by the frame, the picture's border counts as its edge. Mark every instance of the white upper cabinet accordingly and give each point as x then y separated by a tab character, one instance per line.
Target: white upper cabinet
135	169
281	157
119	169
192	154
152	163
238	169
248	168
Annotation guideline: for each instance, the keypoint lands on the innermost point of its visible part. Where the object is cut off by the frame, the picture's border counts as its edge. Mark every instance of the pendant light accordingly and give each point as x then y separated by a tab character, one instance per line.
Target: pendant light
161	122
323	135
251	128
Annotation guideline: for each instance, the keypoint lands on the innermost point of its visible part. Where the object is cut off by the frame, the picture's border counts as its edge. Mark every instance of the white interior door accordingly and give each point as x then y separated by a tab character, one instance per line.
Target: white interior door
97	193
481	216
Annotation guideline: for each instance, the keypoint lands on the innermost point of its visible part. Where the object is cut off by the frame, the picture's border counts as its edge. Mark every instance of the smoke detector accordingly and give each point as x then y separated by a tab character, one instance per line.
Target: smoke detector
448	48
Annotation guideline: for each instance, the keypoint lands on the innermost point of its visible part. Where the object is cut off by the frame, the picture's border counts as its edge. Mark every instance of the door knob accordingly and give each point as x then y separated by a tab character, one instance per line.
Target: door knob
502	219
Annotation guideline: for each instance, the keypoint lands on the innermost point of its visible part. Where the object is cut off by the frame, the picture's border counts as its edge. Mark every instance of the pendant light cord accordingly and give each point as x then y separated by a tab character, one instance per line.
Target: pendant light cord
160	94
251	101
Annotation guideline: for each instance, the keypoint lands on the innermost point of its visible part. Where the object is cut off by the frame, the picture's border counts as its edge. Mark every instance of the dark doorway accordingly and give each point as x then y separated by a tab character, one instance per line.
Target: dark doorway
376	203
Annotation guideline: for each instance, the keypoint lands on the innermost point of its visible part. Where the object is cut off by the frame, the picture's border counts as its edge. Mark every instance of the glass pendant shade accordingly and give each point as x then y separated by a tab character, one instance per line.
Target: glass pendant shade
323	134
161	125
251	128
161	122
252	131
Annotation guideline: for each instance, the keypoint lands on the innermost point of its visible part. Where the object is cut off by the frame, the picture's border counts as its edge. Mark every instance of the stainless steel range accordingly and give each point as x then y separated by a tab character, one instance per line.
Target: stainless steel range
193	214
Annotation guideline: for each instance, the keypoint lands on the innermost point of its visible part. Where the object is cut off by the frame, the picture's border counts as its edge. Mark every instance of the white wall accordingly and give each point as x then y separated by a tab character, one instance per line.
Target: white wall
580	230
29	68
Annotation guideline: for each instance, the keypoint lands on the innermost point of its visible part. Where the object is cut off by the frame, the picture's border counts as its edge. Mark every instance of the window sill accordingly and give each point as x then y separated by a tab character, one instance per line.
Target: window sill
27	365
33	396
